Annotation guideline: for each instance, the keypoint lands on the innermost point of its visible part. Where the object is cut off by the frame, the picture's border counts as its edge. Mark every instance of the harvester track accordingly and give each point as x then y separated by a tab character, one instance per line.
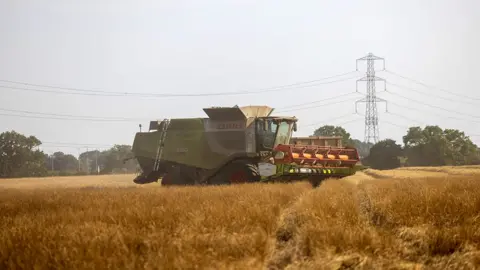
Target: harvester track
287	248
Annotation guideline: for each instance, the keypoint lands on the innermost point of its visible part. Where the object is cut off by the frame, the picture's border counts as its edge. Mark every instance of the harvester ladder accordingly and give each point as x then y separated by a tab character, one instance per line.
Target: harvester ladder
163	134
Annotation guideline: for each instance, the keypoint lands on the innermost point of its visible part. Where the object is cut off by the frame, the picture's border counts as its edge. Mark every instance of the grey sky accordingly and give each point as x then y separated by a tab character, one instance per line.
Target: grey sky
226	46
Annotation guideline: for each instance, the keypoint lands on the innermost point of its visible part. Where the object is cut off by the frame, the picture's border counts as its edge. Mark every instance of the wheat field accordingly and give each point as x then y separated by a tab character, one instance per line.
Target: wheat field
408	218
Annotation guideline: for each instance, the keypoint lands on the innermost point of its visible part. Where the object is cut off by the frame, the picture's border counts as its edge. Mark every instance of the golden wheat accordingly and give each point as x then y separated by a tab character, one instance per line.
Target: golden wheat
404	218
140	228
91	181
391	223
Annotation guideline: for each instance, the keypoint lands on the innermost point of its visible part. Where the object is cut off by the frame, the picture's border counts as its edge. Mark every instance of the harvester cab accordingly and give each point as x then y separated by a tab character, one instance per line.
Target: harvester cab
234	144
271	131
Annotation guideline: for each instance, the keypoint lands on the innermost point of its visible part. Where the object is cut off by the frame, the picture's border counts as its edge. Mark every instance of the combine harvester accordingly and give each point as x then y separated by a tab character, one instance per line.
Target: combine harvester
235	145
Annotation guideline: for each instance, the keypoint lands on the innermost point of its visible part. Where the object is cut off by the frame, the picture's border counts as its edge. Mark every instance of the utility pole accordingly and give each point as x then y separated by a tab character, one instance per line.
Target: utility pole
371	113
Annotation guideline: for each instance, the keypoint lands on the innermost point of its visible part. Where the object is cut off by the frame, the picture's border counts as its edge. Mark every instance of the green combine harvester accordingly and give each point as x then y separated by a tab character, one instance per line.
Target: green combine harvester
235	145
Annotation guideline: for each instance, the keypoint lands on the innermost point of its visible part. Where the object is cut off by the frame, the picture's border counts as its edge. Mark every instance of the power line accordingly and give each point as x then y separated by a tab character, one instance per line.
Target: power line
87	92
59	118
406	118
421	122
132	119
329	120
82	117
394	124
317	106
433	106
347	122
435	114
429	86
431	95
56	116
61	92
430	105
320	100
413	120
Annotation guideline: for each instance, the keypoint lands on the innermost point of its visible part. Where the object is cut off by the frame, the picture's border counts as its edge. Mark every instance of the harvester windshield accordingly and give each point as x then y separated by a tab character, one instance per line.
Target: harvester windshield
271	132
283	133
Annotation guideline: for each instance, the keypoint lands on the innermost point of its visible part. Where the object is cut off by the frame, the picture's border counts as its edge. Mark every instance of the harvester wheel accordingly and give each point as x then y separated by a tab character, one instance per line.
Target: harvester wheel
236	173
167	179
175	177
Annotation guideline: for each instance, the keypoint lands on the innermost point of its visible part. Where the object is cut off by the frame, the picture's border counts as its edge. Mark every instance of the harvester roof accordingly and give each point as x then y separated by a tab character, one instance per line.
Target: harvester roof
288	118
237	113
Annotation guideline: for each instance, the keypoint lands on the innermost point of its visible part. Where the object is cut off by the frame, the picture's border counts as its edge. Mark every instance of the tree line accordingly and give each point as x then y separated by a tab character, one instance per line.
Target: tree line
20	157
428	146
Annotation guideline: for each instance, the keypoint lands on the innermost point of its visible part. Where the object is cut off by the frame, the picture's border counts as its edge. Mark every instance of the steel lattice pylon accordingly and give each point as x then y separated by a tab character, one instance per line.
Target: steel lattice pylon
371	113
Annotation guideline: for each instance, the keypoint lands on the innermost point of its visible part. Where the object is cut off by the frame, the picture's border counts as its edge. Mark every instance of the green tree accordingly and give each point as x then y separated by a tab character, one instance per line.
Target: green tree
108	161
433	146
114	159
62	162
464	151
89	160
363	148
18	156
384	155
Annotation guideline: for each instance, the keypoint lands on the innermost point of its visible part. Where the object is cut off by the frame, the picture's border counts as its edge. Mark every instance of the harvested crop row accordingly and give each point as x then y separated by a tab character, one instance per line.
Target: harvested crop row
402	174
451	170
383	224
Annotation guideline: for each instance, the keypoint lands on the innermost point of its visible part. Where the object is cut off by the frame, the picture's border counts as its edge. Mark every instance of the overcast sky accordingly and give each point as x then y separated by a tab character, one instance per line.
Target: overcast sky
192	47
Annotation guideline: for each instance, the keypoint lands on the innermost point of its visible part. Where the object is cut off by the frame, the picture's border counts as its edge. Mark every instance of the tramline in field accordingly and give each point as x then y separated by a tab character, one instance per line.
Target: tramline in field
236	145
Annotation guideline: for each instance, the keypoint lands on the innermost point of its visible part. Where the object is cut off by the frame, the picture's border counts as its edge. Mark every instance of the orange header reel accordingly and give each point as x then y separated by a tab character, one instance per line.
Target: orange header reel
315	155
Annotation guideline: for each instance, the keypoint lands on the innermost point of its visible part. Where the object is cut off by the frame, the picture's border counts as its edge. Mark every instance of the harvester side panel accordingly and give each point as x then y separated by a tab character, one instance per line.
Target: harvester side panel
186	143
204	143
225	137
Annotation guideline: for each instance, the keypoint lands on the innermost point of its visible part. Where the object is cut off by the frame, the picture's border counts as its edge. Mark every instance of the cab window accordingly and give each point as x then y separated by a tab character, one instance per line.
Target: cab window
266	138
283	134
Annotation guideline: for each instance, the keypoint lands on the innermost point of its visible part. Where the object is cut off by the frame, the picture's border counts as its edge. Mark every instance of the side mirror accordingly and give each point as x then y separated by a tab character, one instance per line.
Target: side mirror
295	126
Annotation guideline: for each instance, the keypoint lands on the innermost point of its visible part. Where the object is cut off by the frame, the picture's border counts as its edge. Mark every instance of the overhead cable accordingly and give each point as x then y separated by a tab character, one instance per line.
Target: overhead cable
80	91
432	87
